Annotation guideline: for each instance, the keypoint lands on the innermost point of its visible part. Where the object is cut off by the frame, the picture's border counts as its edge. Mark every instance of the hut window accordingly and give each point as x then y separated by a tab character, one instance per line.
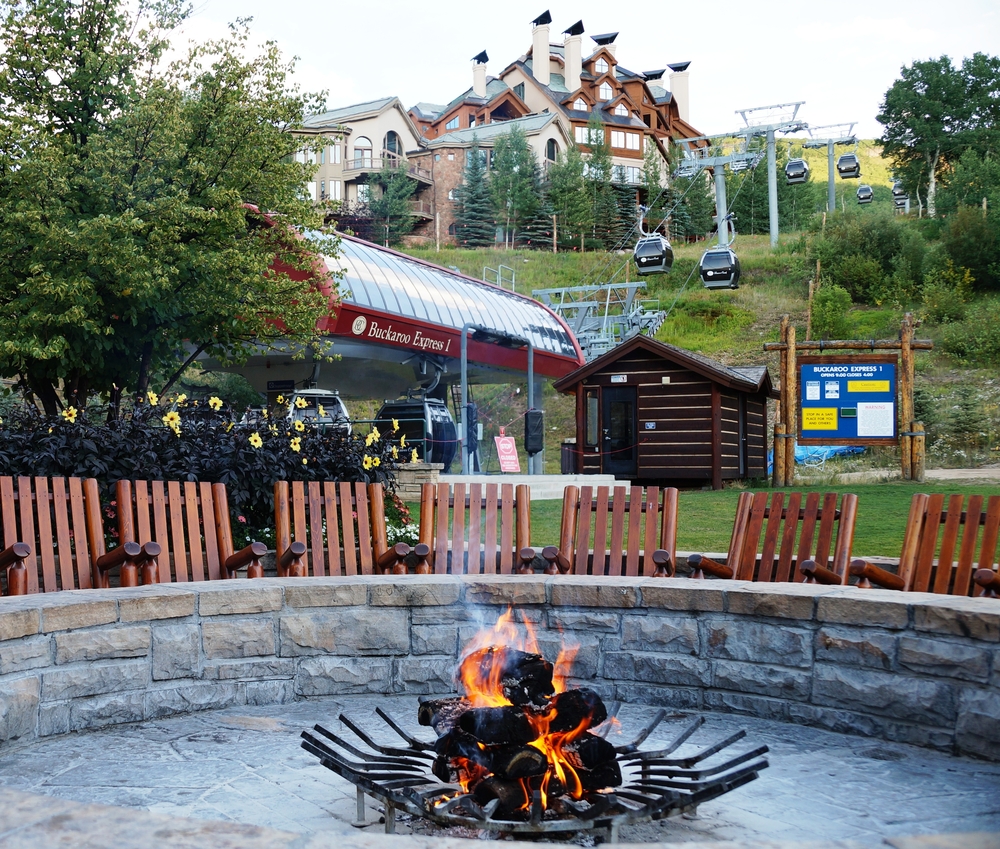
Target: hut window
592	434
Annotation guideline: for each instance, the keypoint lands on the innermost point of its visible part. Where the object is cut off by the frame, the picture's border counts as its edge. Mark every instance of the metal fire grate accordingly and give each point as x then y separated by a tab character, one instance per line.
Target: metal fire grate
656	784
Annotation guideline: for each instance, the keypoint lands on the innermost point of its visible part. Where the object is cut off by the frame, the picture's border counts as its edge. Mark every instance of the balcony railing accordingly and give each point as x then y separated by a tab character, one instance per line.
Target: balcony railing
364	163
423	208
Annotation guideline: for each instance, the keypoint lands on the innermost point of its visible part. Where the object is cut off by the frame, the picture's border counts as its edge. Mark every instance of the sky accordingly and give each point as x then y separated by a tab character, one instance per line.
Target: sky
840	58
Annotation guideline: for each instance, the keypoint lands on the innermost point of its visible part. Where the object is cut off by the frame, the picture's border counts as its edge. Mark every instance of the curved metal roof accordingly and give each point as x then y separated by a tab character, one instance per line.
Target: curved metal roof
390	282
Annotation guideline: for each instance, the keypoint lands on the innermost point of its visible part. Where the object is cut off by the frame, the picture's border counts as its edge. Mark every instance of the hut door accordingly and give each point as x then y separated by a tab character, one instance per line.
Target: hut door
618	431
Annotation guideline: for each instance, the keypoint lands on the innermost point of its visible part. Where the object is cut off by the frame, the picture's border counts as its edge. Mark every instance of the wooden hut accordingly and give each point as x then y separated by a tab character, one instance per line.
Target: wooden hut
648	411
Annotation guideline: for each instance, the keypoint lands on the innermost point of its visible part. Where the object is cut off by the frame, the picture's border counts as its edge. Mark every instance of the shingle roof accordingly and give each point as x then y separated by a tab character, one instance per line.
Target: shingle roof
428	110
530	124
335	116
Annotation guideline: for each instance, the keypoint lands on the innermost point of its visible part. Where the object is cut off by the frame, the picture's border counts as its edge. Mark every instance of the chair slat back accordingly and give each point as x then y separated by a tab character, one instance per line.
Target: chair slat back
614	531
60	518
772	537
474	528
183	517
947	540
334	520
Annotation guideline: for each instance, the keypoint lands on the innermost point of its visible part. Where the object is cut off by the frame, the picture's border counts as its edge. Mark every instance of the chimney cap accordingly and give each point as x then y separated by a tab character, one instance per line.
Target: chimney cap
544	18
576	29
605	38
481	58
653	75
678	67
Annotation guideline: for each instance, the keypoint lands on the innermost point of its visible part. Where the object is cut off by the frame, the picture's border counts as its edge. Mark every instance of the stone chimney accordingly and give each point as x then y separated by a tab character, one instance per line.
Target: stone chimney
479	74
574	55
679	89
540	48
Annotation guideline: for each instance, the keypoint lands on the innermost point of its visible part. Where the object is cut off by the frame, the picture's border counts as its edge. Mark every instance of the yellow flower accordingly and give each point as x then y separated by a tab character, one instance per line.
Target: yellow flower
153	398
376	461
395	425
181	399
69	414
255	440
305	462
172	419
367	462
230	426
376	433
413	456
402	441
370	439
299	426
301	403
295	444
215	402
395	453
322	412
263	414
280	399
273	428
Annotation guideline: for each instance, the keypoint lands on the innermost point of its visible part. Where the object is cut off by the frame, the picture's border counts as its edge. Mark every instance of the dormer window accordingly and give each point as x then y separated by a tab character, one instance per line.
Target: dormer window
605	91
601	66
453	123
580	104
621	110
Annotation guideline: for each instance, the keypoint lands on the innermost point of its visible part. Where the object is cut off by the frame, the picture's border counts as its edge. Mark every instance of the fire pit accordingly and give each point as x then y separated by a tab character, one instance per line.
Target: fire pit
519	752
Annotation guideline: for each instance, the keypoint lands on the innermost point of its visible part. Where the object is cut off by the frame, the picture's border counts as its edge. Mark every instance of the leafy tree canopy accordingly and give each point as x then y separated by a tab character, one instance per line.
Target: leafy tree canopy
513	181
126	240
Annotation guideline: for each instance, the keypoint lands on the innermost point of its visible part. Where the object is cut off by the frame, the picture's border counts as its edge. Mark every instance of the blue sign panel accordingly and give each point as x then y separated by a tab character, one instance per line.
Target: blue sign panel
847	403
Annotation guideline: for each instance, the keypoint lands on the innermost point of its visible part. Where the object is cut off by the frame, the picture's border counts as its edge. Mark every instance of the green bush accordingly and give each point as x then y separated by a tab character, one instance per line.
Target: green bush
190	443
976	339
862	277
831	304
946	292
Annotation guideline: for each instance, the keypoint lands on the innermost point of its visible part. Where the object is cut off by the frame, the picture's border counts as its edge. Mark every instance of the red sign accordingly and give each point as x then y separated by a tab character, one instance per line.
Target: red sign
507	453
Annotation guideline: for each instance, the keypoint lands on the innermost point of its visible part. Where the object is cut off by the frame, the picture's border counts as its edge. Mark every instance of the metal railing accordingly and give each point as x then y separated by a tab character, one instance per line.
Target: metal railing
367	162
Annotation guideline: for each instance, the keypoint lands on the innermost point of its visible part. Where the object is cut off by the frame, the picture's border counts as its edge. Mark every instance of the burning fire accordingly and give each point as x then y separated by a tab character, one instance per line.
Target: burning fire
485	675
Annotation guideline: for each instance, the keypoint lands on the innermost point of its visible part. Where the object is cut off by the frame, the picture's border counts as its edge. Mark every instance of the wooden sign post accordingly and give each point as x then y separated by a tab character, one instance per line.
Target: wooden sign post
871	384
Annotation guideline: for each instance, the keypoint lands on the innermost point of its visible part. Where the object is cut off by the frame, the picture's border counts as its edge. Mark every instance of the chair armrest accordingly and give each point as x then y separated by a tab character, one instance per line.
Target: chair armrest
816	574
868	574
558	562
663	564
290	562
700	565
17	577
422	551
989	581
127	551
391	560
526	556
249	557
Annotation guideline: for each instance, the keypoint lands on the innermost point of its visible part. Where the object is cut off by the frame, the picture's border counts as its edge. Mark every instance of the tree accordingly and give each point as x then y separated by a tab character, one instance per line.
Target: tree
655	195
473	205
130	241
603	202
512	184
935	111
391	207
568	194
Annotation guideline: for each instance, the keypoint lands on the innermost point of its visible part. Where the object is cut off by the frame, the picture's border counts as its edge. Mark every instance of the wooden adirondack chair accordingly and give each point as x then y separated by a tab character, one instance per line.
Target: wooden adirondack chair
770	541
184	530
948	548
643	537
60	520
305	514
475	529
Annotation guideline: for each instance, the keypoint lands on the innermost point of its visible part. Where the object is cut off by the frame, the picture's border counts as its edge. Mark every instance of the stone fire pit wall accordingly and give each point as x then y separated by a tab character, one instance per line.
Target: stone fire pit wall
913	668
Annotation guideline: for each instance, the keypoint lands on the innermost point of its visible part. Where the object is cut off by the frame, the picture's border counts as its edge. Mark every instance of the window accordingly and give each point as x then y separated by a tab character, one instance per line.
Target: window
601	66
451	194
584	136
617	138
551	150
362	152
451	157
437	157
322	189
633	141
322	156
629	141
392	143
364	193
452	124
335	190
519	90
451	229
628	174
335	154
592	429
621	110
472	120
580	105
605	91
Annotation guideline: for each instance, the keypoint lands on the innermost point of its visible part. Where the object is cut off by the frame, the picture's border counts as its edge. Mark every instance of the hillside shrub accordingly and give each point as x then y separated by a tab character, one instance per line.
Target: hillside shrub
189	443
946	292
976	339
972	240
831	304
862	277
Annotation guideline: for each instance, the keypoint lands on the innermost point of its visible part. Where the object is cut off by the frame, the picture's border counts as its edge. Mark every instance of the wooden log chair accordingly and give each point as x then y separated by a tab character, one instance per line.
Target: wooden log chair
949	547
184	530
474	529
60	520
773	538
643	532
334	528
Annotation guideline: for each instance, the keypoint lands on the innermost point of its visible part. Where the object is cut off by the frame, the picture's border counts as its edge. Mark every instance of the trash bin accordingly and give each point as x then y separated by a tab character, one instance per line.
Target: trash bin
567	457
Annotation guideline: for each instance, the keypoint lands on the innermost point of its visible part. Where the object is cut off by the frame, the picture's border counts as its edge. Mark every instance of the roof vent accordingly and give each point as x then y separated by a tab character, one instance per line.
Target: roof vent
654	75
544	18
576	29
679	67
604	38
481	58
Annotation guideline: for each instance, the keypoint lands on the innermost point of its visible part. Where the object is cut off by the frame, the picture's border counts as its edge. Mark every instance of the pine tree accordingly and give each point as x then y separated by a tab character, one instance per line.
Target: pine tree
537	230
512	182
474	225
603	204
655	195
390	208
568	196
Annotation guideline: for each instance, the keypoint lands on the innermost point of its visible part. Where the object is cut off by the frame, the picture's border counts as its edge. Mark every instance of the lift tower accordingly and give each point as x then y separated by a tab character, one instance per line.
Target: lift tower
766	121
834	134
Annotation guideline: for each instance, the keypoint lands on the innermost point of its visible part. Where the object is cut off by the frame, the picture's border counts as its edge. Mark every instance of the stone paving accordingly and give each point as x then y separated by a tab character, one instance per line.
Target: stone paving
245	765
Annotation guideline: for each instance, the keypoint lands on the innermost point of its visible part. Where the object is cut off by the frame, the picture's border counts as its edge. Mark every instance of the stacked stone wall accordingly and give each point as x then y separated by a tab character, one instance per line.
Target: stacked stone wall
912	668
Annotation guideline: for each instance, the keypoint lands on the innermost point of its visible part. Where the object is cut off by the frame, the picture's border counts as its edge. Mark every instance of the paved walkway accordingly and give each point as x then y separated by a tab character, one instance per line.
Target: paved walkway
245	765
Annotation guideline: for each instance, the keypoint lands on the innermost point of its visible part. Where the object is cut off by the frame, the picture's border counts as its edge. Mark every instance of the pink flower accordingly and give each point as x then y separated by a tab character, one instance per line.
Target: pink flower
242	519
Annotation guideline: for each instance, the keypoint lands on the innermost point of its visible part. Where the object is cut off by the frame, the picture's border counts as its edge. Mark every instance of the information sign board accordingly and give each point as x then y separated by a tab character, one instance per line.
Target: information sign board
507	453
847	400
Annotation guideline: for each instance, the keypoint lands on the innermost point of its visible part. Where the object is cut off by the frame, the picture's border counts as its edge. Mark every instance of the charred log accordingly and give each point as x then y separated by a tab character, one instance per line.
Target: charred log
589	752
513	762
498	726
574	708
458	744
524	678
510	793
606	775
442	714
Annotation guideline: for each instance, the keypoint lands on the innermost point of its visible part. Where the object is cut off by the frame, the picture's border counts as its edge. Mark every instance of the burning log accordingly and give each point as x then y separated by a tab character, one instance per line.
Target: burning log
510	793
606	775
524	678
513	762
498	726
589	752
574	708
442	714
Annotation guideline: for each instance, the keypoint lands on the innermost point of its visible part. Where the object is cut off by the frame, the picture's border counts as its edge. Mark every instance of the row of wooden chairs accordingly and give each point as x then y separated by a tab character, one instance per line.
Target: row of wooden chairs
181	531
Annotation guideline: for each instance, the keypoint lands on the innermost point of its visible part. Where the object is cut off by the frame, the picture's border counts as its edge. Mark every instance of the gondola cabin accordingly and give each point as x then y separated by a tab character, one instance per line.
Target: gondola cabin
849	166
720	269
900	201
796	171
653	255
897	190
655	413
865	194
427	425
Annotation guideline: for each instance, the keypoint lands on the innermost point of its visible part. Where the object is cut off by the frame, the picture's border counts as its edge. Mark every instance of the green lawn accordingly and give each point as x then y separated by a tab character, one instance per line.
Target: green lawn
706	518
